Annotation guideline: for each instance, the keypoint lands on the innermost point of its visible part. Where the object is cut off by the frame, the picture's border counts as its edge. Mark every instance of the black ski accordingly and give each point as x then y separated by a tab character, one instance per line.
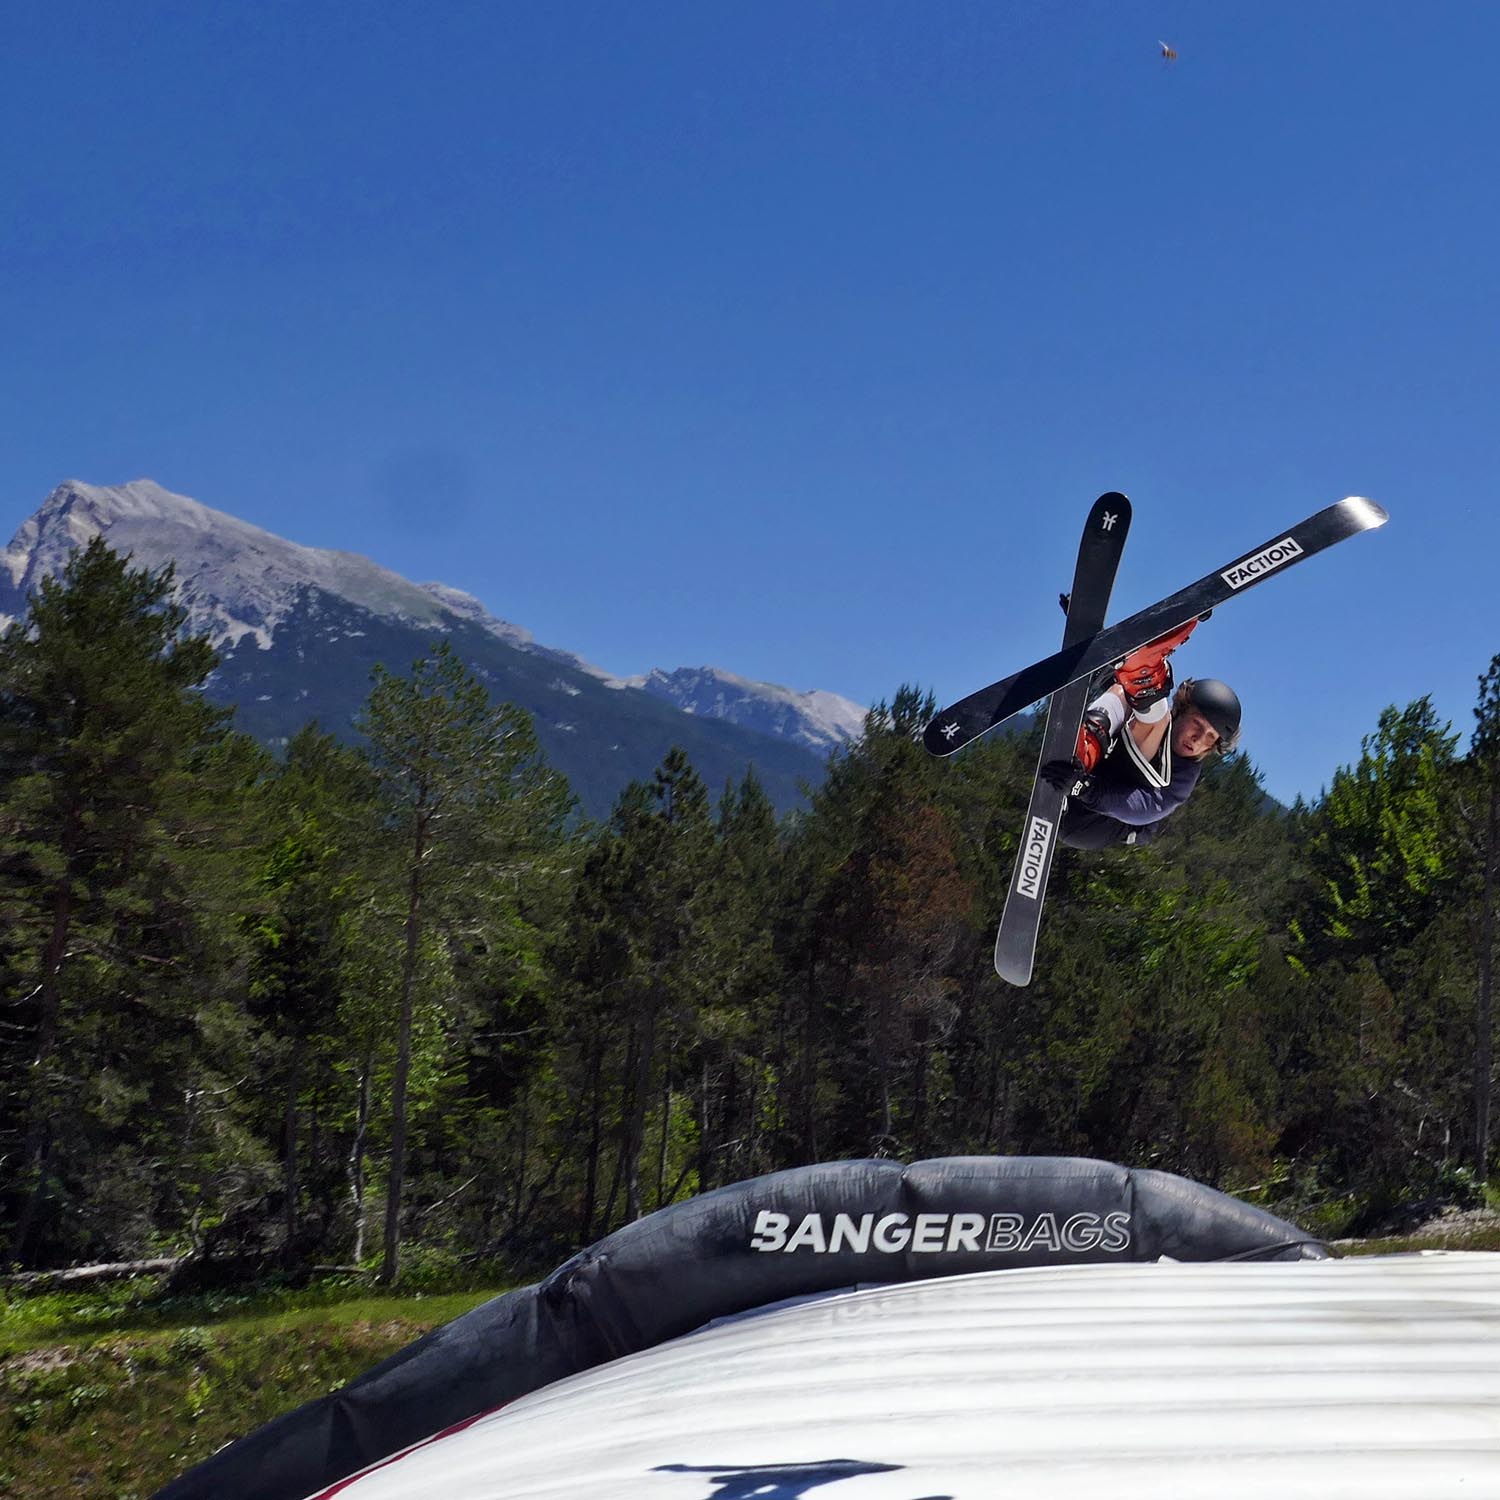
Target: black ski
1099	552
970	717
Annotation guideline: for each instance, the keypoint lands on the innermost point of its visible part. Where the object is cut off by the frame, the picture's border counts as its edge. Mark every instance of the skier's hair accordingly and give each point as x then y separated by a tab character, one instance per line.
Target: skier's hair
1182	700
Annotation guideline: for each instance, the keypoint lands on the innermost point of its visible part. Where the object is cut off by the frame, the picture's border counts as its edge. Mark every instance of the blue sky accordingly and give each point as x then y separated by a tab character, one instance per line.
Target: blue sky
793	338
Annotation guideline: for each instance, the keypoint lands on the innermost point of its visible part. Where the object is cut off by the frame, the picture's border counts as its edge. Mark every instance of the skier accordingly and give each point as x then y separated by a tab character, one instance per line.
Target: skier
1142	748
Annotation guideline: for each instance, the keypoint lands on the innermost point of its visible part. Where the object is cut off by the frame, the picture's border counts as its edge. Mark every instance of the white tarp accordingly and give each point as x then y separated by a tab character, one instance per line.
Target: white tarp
1365	1377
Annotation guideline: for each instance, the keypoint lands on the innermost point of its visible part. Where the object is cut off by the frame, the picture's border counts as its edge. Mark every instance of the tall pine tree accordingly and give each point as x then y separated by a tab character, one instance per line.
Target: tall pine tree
99	725
1484	756
472	812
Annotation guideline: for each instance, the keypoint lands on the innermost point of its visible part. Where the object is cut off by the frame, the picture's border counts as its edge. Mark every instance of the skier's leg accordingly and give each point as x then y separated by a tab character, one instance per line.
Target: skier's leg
1153	653
1144	678
1102	721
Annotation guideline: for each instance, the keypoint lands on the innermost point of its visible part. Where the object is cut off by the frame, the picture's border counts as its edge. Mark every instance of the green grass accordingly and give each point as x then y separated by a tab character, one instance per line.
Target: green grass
82	1319
107	1395
1485	1238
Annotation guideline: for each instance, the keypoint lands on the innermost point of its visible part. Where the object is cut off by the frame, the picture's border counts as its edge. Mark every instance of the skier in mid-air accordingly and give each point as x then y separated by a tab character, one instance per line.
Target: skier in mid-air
1142	748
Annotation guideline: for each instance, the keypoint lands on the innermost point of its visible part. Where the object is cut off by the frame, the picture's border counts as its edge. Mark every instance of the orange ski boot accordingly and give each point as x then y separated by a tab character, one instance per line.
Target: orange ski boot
1145	674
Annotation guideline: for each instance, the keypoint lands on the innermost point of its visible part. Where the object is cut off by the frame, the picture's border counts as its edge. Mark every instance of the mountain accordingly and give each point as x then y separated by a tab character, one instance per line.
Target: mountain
300	629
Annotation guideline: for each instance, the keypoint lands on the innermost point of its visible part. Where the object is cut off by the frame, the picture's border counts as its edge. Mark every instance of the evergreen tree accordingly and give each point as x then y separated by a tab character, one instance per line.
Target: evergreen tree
638	982
472	813
1377	847
320	816
1377	1044
874	940
1484	757
732	1085
99	726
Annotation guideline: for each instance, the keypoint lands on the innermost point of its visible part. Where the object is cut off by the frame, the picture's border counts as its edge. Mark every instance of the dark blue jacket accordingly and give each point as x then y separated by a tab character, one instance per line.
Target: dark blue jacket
1121	807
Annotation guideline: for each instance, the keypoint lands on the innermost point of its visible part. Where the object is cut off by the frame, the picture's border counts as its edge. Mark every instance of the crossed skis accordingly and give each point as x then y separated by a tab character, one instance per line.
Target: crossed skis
1064	676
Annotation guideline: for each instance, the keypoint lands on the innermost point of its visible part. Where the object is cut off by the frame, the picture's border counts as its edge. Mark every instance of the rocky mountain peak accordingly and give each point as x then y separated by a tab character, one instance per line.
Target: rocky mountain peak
240	583
236	579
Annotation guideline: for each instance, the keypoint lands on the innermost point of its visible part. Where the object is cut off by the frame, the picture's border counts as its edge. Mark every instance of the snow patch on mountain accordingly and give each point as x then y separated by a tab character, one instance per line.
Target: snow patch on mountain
820	720
467	607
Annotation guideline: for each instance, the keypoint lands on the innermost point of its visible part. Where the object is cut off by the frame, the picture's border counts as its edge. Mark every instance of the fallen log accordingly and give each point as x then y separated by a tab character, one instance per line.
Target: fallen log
78	1275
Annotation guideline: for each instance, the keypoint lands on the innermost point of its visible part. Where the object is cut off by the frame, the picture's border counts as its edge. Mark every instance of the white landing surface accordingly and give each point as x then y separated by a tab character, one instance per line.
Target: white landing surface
1368	1378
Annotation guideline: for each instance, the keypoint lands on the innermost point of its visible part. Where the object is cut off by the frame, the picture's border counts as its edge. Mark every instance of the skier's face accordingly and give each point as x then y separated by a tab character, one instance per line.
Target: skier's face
1192	735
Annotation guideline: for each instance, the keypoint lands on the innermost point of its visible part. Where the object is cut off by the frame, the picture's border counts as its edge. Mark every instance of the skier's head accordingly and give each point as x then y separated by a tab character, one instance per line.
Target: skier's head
1205	718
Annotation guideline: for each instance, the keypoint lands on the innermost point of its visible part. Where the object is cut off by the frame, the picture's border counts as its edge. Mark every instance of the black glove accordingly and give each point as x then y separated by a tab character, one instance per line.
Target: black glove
1065	775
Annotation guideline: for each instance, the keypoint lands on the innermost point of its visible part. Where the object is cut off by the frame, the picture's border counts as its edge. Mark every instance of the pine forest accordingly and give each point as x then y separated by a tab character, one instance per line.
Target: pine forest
366	1006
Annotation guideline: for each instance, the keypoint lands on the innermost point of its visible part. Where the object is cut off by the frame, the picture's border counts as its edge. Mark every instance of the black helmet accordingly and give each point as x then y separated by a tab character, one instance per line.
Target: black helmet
1217	702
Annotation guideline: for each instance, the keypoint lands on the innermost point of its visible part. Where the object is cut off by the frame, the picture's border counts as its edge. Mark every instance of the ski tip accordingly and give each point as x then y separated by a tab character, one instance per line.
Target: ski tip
1110	511
942	737
1367	510
1015	958
1013	973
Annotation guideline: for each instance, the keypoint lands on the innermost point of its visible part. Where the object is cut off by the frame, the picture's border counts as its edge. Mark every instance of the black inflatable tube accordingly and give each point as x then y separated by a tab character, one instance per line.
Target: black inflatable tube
810	1229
